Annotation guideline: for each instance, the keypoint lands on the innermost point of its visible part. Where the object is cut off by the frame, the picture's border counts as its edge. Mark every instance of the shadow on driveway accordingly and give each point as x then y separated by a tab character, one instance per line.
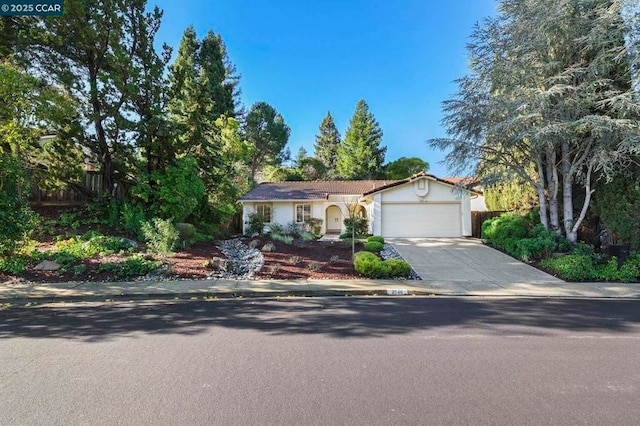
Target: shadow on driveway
333	317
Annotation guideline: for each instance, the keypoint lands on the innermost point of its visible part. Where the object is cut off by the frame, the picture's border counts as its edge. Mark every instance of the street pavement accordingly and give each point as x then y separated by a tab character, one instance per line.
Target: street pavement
322	361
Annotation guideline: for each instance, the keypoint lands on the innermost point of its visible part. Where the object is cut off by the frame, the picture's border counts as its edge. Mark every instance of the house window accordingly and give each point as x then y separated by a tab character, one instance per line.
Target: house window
266	210
303	212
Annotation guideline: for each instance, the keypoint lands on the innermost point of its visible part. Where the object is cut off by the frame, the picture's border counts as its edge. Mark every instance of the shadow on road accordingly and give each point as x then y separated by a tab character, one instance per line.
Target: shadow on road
334	317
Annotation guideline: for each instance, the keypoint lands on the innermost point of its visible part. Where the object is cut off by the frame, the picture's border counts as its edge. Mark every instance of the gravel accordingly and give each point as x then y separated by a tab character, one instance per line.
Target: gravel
388	252
243	262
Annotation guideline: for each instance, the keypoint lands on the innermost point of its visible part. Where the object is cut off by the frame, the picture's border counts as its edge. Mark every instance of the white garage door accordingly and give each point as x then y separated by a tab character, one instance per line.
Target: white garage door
421	220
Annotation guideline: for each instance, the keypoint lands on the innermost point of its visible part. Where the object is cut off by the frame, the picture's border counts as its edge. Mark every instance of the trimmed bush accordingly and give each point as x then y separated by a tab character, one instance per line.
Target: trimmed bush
255	224
585	267
361	225
376	238
370	265
373	246
398	268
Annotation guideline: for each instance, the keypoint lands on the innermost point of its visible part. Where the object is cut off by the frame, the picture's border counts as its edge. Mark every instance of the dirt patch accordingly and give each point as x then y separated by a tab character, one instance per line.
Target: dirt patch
189	263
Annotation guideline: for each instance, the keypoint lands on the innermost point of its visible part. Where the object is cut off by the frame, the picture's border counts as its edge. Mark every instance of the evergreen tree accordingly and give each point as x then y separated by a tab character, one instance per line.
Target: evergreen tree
326	146
360	155
267	135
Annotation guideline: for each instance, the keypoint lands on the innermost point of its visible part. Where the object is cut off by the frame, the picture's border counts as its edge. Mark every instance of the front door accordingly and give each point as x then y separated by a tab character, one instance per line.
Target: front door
334	219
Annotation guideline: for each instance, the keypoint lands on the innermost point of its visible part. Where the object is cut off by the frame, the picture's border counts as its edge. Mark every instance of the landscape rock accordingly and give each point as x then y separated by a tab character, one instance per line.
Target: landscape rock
218	263
132	243
254	244
269	247
47	265
241	261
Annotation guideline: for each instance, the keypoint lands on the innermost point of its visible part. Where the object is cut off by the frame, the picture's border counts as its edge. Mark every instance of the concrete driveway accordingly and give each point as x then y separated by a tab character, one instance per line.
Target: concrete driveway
466	264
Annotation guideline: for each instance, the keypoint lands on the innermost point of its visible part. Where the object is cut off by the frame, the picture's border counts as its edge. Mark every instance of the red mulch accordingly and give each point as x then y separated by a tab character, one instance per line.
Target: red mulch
313	251
189	263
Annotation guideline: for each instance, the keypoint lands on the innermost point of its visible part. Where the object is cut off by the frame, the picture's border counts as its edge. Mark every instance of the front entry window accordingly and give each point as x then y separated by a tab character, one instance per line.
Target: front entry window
303	213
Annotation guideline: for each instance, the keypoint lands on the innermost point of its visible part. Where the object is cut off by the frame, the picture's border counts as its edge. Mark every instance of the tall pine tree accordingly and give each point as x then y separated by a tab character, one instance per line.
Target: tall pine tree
360	155
326	146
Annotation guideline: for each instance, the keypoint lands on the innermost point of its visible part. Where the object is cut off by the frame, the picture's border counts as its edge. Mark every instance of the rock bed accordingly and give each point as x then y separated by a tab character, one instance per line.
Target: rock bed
388	252
243	262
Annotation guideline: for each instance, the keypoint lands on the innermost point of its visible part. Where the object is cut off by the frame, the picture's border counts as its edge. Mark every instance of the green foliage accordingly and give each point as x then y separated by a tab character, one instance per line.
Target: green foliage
287	239
132	217
326	146
374	246
520	236
276	237
398	268
313	225
276	228
161	235
17	219
510	196
376	238
72	250
617	204
187	232
180	189
371	266
361	226
360	155
404	167
293	229
267	135
131	267
308	236
585	267
255	224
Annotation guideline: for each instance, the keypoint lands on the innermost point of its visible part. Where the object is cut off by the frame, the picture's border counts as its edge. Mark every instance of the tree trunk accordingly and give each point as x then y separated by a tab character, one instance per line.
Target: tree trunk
573	236
552	183
567	192
106	163
544	216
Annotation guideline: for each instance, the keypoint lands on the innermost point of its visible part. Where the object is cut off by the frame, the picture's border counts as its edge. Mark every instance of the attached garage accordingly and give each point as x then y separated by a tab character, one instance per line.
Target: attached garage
421	220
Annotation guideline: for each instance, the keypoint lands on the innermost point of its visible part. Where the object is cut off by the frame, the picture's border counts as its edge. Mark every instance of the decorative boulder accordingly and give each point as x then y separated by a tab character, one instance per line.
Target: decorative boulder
219	263
47	265
269	247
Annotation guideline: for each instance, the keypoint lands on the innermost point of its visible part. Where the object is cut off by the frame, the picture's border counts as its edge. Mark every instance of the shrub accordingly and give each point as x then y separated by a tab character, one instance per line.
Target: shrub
276	237
179	189
374	246
287	239
134	266
334	260
313	225
293	229
294	260
186	232
307	236
398	268
361	225
573	267
314	266
376	238
276	228
256	223
370	265
132	218
17	220
161	236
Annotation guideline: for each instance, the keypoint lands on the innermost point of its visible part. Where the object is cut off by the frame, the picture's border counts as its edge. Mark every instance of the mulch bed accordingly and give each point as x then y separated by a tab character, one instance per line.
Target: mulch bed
306	252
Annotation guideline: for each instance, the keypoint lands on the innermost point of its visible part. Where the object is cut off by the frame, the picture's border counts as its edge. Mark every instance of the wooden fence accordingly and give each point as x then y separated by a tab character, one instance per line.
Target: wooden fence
92	182
477	218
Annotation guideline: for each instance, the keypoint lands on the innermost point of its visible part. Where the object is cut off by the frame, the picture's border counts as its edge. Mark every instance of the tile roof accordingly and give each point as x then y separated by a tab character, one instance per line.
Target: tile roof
312	190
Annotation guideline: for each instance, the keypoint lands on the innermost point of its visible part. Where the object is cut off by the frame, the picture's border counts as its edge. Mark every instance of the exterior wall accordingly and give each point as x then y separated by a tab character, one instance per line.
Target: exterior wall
436	192
478	204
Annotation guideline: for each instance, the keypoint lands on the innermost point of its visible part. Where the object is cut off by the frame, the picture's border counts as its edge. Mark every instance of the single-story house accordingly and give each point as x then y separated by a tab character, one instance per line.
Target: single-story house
419	206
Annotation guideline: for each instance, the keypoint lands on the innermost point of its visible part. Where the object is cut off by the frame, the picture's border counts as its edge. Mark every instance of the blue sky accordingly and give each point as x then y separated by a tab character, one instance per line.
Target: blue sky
309	57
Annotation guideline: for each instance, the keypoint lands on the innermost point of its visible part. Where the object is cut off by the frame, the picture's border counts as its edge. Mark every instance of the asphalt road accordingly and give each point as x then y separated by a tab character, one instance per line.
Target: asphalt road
366	361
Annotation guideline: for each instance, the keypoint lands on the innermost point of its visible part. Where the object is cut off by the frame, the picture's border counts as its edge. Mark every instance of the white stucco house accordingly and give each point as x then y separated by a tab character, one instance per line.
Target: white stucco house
419	206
